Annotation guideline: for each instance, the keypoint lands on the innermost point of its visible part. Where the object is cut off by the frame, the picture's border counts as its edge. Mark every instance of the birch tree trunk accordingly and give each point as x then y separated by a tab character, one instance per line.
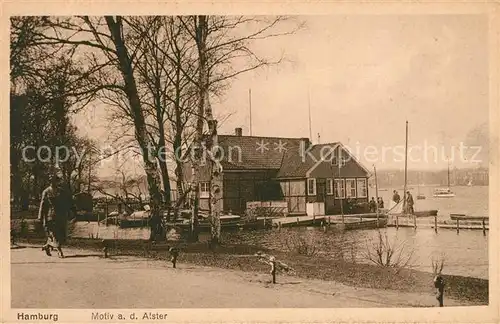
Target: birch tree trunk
141	134
211	143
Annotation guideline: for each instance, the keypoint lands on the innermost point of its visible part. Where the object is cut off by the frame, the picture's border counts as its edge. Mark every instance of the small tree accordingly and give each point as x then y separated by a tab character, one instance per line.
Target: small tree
301	244
386	254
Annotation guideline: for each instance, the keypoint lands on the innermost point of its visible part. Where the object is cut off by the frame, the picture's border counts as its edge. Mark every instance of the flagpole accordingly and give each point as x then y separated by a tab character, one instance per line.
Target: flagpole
406	171
250	107
376	191
309	107
342	197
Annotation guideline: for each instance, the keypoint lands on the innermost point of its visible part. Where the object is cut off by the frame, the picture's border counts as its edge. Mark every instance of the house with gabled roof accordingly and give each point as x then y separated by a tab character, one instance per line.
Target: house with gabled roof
258	168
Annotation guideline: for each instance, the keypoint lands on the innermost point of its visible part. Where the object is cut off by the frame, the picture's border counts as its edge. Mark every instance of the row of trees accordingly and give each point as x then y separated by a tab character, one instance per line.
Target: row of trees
156	75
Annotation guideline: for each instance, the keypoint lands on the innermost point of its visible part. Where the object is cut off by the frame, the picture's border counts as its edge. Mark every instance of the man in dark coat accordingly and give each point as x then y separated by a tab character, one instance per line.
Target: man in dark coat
396	198
409	203
53	212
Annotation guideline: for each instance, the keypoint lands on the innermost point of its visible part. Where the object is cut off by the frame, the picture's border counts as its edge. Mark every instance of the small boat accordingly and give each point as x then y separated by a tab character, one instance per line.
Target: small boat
133	223
136	219
443	193
426	213
398	210
366	224
420	196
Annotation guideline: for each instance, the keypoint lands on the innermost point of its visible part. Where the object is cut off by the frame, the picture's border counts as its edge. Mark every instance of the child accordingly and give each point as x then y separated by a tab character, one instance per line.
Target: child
272	263
174	253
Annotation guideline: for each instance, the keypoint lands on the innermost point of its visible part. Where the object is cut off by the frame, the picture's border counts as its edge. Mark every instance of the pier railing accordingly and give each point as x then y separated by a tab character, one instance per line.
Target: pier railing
457	221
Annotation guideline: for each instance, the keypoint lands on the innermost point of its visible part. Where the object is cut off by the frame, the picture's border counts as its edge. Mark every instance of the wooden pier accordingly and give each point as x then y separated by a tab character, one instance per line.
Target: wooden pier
349	222
457	222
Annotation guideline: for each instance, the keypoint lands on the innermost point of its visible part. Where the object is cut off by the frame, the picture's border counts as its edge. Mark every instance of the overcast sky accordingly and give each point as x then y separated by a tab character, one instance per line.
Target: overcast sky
366	75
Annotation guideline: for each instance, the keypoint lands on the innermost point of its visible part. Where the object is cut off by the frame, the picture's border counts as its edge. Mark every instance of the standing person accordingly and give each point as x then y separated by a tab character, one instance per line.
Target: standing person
372	205
409	203
52	214
174	254
272	263
395	197
380	203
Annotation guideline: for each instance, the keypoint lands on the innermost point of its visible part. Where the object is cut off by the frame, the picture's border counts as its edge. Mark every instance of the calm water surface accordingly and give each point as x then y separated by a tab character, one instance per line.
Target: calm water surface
471	201
465	254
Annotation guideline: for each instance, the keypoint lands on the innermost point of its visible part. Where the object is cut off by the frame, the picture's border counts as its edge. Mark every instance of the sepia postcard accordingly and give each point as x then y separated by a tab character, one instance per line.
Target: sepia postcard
250	162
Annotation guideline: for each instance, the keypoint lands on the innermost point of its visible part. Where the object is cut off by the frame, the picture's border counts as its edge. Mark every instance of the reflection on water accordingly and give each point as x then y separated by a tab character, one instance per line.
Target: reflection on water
465	254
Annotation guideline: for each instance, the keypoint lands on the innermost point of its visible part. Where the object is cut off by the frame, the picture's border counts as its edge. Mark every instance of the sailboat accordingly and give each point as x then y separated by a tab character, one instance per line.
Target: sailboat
420	196
444	192
399	208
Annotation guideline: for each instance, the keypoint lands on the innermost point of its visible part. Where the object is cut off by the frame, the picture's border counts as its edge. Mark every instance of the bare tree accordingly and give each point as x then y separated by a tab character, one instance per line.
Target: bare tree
127	189
107	49
166	57
221	42
386	254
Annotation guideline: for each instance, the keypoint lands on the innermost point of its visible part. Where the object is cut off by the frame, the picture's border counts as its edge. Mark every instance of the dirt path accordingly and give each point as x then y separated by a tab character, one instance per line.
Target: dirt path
85	280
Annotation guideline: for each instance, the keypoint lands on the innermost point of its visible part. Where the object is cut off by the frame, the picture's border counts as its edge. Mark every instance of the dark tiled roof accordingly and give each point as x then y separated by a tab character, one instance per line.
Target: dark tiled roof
296	165
263	153
256	152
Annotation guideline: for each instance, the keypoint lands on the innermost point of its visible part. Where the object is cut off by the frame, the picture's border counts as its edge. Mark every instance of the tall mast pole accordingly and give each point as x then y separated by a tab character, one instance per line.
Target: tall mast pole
250	107
448	173
376	191
342	197
406	169
309	107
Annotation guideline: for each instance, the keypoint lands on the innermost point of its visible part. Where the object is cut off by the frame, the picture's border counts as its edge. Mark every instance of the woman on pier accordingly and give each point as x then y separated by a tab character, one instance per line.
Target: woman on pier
409	203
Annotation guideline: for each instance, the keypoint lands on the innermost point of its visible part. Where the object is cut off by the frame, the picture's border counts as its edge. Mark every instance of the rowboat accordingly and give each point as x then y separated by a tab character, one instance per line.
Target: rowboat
443	193
366	224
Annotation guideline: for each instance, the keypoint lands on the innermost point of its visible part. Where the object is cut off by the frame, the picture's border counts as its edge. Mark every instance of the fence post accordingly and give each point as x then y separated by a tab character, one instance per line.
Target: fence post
329	222
414	222
484	227
314	219
458	225
297	221
397	222
435	224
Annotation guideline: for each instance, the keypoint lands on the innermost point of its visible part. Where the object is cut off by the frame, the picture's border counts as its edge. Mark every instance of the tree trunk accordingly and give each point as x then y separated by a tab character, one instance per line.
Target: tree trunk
162	160
177	146
125	64
215	167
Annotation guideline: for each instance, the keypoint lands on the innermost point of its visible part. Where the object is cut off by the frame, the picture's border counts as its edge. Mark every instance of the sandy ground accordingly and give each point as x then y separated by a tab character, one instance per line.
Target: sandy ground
85	280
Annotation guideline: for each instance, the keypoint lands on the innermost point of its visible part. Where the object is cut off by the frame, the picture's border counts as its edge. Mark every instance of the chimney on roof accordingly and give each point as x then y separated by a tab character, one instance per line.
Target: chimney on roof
238	131
305	142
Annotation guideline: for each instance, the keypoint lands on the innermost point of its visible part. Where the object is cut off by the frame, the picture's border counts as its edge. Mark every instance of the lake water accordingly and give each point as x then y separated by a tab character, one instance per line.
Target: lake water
472	201
465	254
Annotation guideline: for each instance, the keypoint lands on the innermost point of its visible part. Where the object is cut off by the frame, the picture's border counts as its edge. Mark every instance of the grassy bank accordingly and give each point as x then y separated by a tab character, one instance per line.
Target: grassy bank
239	257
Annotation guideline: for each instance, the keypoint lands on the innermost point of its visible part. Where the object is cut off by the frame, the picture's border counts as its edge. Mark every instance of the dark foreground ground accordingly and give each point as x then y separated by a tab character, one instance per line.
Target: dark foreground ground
415	288
86	280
